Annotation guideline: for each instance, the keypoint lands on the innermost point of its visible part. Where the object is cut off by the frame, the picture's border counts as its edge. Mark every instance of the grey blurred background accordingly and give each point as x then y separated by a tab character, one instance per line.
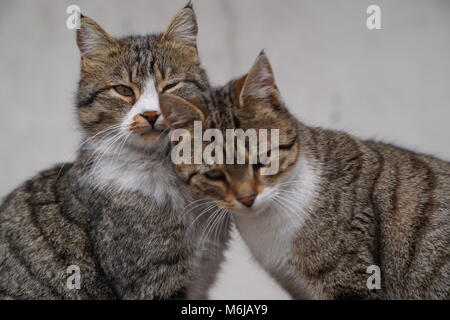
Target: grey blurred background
391	84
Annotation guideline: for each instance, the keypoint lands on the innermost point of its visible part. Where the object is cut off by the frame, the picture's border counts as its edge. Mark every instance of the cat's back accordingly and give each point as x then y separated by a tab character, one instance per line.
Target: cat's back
41	236
420	177
393	207
412	200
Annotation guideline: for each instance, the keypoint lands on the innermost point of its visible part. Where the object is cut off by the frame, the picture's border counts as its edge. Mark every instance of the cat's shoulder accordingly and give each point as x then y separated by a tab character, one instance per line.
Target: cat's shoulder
40	188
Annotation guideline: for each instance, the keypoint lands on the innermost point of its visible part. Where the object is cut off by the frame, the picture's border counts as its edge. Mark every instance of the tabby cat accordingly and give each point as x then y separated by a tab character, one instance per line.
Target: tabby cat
337	207
114	213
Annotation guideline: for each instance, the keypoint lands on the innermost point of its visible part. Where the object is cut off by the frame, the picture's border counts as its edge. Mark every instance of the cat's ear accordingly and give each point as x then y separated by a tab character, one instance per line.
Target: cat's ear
259	83
92	39
179	112
183	27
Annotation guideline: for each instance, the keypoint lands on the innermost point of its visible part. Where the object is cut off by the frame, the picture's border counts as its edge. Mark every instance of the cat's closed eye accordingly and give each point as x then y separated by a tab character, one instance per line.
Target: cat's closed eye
215	175
181	83
259	162
170	86
124	91
257	166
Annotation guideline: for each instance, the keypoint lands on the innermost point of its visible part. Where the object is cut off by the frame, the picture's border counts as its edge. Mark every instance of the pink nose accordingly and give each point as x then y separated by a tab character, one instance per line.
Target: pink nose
247	200
151	116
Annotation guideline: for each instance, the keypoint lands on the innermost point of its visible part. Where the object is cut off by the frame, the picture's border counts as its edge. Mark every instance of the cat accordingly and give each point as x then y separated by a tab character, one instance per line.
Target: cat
337	209
117	214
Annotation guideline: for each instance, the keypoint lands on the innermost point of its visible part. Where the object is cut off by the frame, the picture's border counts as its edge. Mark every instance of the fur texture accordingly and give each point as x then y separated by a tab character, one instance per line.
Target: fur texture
336	206
118	212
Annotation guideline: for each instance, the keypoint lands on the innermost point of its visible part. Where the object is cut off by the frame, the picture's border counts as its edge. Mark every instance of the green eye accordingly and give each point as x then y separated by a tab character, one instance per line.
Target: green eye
124	91
215	175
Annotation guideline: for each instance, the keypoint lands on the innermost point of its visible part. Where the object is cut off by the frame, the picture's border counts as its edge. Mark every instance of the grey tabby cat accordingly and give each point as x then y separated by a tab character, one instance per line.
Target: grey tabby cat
115	213
337	205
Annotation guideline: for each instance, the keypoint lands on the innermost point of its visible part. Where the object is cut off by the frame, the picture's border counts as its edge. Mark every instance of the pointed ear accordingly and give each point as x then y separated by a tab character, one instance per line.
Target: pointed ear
180	113
92	39
183	28
259	83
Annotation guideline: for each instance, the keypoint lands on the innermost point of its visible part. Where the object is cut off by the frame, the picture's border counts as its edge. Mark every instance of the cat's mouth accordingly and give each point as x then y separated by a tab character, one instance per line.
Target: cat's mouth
147	124
148	137
147	130
238	207
151	130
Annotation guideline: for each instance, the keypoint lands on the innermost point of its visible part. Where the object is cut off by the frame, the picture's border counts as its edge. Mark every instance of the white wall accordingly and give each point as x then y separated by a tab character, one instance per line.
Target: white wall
391	84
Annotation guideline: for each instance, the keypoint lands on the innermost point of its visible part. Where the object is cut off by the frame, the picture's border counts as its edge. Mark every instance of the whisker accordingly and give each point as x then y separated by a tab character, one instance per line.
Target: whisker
224	217
78	147
293	205
123	144
162	132
109	137
102	154
290	210
201	214
205	234
196	206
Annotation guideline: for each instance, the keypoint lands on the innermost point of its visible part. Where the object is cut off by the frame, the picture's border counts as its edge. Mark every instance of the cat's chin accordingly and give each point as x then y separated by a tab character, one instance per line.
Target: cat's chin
241	210
147	140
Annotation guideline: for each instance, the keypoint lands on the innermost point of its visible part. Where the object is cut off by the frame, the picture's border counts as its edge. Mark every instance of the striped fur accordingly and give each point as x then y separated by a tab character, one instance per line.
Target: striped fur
118	212
376	204
337	205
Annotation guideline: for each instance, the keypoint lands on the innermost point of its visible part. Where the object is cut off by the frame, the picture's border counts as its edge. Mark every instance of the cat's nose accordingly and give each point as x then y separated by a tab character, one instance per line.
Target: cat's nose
247	200
151	116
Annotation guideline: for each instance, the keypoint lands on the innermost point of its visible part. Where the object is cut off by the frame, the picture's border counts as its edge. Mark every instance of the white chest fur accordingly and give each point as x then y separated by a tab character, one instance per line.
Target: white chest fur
269	231
133	171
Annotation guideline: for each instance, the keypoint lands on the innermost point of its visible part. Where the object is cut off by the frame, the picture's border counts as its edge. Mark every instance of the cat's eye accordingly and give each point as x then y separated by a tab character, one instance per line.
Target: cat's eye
170	86
124	91
277	107
215	175
257	165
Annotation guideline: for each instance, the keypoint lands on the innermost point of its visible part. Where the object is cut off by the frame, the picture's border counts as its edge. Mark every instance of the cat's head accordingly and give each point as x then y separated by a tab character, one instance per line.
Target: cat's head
121	79
250	102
